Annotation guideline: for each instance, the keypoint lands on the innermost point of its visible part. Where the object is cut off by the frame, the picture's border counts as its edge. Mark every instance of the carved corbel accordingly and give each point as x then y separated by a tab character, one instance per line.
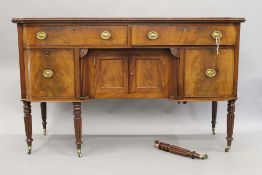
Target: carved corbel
174	52
83	53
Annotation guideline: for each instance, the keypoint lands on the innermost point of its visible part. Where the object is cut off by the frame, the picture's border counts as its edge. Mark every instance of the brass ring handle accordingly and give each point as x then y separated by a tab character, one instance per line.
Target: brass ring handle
105	35
217	35
41	35
152	35
48	73
210	73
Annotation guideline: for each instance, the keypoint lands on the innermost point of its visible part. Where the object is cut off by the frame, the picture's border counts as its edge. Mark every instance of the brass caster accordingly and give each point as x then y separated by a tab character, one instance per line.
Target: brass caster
79	153
203	156
213	131
29	150
44	132
227	149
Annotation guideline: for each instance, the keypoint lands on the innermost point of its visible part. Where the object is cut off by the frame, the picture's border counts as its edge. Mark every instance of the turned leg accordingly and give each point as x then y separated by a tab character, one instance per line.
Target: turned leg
28	124
78	126
214	116
230	122
43	114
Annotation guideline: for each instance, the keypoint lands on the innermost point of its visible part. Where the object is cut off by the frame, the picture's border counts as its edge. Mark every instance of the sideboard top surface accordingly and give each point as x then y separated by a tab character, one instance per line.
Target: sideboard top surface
129	20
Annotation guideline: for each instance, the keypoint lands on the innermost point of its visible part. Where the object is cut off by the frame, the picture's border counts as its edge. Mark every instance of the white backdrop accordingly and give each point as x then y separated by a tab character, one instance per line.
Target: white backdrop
133	116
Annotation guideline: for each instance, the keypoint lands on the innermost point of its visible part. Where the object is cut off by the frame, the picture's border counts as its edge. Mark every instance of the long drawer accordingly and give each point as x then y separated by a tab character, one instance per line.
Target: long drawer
182	34
179	34
75	35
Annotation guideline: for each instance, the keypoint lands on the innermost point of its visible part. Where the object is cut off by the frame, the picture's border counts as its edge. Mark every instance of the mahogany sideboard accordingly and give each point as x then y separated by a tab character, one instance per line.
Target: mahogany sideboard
78	59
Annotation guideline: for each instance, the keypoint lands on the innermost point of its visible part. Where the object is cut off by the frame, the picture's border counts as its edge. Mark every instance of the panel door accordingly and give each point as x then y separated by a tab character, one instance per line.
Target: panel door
50	73
147	71
207	74
111	71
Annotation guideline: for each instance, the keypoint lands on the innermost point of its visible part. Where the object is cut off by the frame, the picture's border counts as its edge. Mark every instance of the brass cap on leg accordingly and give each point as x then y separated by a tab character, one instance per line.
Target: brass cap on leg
79	153
213	131
203	156
227	149
29	149
157	144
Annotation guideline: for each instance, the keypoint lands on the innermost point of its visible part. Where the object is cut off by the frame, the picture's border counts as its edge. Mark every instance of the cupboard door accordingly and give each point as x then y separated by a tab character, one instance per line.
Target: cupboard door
50	73
111	72
147	72
207	74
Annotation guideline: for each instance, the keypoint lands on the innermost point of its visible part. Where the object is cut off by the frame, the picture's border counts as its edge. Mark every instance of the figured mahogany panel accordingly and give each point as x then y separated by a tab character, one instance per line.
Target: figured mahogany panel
147	71
111	72
183	34
195	81
108	73
75	35
60	62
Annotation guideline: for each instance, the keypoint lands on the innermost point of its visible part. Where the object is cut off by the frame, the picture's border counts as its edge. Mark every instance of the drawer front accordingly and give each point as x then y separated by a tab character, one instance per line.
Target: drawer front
207	74
50	73
75	35
195	34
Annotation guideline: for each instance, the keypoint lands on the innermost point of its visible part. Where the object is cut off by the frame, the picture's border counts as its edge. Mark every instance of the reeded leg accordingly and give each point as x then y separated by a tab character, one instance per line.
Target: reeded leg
230	122
78	126
28	124
214	116
43	114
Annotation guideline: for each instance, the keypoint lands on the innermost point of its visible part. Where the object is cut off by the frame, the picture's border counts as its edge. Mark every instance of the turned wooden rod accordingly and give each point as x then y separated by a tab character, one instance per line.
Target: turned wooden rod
179	151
